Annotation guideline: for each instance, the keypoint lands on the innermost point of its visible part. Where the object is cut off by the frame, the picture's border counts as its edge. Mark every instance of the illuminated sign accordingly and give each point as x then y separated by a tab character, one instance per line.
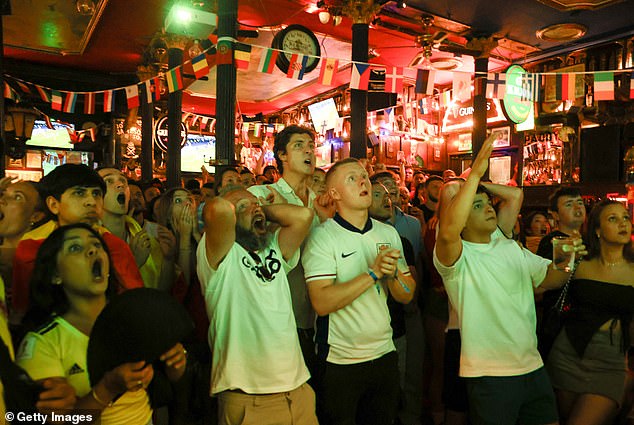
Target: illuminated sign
161	133
516	107
459	115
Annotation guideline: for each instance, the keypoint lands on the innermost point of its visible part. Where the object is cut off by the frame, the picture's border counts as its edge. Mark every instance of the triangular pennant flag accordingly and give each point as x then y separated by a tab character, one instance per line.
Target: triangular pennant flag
24	87
425	80
329	67
108	100
8	92
496	85
461	86
224	54
360	76
89	103
132	96
148	91
394	80
174	79
242	55
604	86
297	66
56	100
267	61
200	65
44	94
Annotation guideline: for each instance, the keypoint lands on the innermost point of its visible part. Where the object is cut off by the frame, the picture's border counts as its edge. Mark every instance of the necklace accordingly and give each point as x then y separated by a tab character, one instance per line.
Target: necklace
616	263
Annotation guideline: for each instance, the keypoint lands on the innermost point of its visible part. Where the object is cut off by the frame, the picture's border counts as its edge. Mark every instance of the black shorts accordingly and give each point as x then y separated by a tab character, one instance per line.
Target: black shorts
505	400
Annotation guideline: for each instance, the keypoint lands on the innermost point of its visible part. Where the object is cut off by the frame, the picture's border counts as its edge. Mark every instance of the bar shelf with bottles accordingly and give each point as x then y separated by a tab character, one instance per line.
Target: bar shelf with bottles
542	164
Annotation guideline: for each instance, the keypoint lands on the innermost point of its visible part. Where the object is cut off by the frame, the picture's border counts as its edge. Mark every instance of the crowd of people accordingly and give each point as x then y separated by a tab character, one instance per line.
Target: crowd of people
356	295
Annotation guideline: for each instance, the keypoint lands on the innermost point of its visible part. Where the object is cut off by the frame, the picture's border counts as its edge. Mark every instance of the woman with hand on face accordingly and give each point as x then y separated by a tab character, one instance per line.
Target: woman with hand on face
587	361
536	226
69	289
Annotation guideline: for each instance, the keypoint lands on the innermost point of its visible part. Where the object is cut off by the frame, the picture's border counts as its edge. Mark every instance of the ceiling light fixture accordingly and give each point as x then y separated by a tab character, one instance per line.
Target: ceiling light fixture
85	7
401	4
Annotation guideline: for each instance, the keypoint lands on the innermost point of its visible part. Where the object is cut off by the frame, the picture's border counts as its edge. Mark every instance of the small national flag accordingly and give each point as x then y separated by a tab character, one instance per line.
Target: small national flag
203	122
445	99
267	61
71	101
56	100
461	86
479	86
256	129
425	81
132	95
360	77
200	65
242	55
24	87
604	86
565	86
44	94
147	85
89	103
496	85
394	80
174	79
297	66
329	67
156	88
632	85
224	53
529	87
108	100
269	130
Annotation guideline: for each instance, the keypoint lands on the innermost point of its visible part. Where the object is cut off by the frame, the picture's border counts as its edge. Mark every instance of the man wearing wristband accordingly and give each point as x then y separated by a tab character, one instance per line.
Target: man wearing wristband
350	263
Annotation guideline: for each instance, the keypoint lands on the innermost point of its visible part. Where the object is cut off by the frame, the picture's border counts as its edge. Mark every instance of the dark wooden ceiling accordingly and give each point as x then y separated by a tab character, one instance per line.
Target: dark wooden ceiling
124	29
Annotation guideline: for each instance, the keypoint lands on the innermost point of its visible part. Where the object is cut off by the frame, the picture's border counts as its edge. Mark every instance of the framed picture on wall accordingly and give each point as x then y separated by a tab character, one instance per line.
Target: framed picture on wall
464	142
502	137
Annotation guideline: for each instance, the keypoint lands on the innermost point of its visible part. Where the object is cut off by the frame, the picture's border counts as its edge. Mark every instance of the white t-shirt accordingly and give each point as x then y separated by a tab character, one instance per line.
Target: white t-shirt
252	331
59	349
302	309
360	331
491	288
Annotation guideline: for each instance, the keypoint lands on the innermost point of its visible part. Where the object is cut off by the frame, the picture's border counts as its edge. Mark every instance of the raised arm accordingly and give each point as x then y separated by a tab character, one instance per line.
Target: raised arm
220	229
453	216
510	204
295	223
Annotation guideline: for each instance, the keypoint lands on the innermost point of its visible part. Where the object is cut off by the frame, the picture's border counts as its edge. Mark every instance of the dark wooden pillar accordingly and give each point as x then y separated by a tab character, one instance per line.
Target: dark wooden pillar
147	143
359	98
226	84
174	112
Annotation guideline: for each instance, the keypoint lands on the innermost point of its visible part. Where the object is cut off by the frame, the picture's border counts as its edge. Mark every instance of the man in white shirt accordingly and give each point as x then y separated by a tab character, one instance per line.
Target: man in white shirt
257	364
294	151
489	280
350	262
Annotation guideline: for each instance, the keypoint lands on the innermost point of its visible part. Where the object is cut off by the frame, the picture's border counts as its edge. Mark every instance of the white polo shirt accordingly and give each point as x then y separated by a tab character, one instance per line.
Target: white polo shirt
337	250
491	288
252	331
302	309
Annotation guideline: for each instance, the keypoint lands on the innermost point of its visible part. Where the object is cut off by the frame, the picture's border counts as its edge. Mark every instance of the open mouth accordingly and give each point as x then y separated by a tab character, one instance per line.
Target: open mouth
97	271
308	161
1	215
259	223
364	193
121	198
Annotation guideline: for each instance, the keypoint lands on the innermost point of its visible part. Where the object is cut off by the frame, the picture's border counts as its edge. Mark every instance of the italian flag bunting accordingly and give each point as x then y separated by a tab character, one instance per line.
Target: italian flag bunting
56	100
604	86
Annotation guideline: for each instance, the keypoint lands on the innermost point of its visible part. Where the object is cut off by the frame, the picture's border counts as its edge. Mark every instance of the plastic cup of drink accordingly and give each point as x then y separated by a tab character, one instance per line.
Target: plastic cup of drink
563	253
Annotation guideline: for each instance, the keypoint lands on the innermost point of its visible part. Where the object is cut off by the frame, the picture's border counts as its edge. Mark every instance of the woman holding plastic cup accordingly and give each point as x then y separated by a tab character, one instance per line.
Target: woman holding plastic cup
587	361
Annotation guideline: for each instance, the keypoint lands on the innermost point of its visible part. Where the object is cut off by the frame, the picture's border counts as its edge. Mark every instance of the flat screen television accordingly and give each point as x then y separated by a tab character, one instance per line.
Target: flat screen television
56	137
54	158
198	150
324	115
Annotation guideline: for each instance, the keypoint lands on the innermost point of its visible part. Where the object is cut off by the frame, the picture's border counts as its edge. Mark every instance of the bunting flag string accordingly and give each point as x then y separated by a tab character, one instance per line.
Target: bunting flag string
240	54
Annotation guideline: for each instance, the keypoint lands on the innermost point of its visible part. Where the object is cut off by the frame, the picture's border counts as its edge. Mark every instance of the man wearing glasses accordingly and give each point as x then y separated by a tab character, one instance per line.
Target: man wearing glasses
257	363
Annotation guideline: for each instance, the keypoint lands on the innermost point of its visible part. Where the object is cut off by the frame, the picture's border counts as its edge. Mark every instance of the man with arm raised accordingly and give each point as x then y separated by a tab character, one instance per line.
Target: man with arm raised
489	279
257	363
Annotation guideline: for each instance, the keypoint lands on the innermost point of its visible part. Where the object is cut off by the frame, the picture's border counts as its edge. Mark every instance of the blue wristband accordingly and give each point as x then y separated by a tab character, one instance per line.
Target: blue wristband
373	275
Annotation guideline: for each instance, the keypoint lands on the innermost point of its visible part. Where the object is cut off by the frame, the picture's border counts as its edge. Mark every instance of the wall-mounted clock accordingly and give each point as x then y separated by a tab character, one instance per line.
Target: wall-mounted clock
299	39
